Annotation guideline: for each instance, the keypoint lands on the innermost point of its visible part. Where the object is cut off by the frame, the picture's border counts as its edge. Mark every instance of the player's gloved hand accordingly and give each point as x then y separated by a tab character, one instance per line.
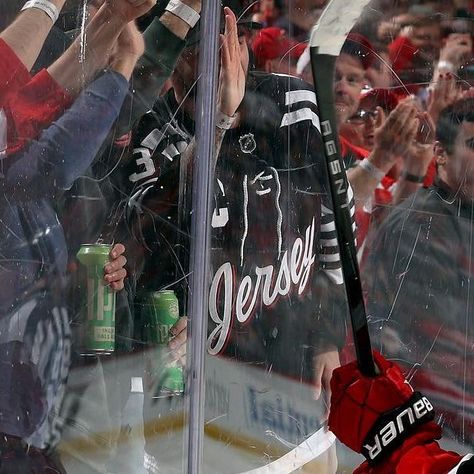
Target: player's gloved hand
385	420
358	401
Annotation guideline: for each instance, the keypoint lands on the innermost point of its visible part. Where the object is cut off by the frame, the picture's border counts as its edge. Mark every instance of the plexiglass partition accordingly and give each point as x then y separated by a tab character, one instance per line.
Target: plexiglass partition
171	290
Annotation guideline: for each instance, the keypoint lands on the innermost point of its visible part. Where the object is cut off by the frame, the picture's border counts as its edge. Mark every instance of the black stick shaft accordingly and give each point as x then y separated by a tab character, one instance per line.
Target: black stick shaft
323	72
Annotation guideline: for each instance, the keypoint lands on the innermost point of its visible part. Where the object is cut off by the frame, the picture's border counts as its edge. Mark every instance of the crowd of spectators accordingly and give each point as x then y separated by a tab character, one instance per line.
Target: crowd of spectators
77	83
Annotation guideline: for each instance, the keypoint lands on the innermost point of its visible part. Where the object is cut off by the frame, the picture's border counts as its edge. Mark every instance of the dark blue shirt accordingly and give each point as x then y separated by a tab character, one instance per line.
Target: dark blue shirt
32	243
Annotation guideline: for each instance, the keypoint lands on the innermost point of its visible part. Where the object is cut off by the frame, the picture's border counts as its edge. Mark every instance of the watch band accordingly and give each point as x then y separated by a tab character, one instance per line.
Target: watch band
46	6
377	173
412	178
183	11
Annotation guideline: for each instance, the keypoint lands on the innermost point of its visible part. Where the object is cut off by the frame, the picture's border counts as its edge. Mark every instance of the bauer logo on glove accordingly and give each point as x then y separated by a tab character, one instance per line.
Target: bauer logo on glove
392	428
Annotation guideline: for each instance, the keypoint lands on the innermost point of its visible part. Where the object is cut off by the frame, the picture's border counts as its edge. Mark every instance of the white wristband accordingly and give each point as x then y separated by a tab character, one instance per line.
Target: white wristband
45	5
376	173
183	11
224	121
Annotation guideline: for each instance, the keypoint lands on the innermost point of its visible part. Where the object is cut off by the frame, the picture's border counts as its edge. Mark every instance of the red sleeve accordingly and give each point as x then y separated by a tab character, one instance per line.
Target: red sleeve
13	73
33	108
418	454
401	52
347	147
428	459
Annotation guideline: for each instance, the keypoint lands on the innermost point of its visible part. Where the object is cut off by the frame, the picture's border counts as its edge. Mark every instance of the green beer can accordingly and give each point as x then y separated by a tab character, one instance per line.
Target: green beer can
100	301
160	313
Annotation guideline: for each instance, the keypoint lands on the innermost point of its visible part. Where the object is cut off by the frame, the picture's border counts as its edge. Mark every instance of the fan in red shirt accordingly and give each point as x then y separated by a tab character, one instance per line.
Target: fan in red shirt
29	104
358	138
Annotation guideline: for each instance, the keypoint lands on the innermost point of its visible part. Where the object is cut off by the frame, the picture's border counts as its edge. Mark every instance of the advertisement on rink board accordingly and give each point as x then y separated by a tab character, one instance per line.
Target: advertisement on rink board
274	411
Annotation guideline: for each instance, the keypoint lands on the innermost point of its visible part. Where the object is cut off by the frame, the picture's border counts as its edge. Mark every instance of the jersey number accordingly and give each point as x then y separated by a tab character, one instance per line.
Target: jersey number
146	161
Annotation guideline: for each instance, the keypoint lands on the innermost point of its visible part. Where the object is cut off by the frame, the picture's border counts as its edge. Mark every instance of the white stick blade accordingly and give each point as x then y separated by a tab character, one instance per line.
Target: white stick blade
334	25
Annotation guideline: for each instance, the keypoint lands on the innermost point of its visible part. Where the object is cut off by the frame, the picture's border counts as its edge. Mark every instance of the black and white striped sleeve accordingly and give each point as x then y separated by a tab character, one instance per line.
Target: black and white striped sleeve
329	256
301	109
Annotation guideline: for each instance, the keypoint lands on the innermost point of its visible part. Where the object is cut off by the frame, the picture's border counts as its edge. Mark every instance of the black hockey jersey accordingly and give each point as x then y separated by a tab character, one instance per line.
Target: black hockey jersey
276	285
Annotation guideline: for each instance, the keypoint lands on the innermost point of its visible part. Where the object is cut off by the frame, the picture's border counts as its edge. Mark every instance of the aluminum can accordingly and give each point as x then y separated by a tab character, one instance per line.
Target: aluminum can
100	301
160	313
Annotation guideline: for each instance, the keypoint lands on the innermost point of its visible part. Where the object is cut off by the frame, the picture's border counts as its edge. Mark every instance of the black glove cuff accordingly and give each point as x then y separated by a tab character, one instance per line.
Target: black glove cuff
394	427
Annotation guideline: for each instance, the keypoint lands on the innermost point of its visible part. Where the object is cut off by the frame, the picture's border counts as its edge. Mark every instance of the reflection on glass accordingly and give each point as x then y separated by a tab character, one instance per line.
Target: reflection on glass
97	146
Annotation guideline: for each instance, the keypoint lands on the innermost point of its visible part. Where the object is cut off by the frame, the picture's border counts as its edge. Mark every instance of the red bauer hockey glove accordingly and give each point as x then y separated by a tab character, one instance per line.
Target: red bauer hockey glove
385	420
358	401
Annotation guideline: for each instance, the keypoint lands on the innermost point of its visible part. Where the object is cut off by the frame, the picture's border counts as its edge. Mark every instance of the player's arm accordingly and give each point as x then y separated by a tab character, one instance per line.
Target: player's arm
27	34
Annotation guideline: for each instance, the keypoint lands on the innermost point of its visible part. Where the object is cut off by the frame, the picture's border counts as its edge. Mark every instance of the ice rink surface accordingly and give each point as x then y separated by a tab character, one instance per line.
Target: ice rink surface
246	429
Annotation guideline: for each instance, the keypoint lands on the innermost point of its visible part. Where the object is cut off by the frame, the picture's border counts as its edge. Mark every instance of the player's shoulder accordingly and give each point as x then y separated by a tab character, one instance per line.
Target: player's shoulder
267	82
284	89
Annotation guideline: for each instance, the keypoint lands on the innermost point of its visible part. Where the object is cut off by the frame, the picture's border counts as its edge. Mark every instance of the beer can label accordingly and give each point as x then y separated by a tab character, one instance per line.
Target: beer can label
100	300
100	315
161	312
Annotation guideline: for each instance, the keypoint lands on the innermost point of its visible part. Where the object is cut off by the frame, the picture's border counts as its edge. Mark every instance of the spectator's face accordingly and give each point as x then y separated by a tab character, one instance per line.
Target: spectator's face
389	29
459	167
427	39
348	84
369	108
362	124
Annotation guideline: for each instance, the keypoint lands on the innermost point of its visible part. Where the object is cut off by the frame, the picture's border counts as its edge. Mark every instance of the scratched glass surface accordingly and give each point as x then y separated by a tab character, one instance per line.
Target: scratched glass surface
94	386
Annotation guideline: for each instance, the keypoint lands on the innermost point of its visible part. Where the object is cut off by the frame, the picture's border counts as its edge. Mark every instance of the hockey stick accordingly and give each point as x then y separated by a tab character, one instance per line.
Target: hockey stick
327	39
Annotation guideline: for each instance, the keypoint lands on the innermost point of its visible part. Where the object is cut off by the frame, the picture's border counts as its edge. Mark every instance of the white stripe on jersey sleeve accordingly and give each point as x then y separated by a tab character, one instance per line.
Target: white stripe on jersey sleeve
329	251
170	152
300	116
325	210
153	139
293	97
335	275
350	192
328	242
328	227
13	328
331	258
455	468
353	209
